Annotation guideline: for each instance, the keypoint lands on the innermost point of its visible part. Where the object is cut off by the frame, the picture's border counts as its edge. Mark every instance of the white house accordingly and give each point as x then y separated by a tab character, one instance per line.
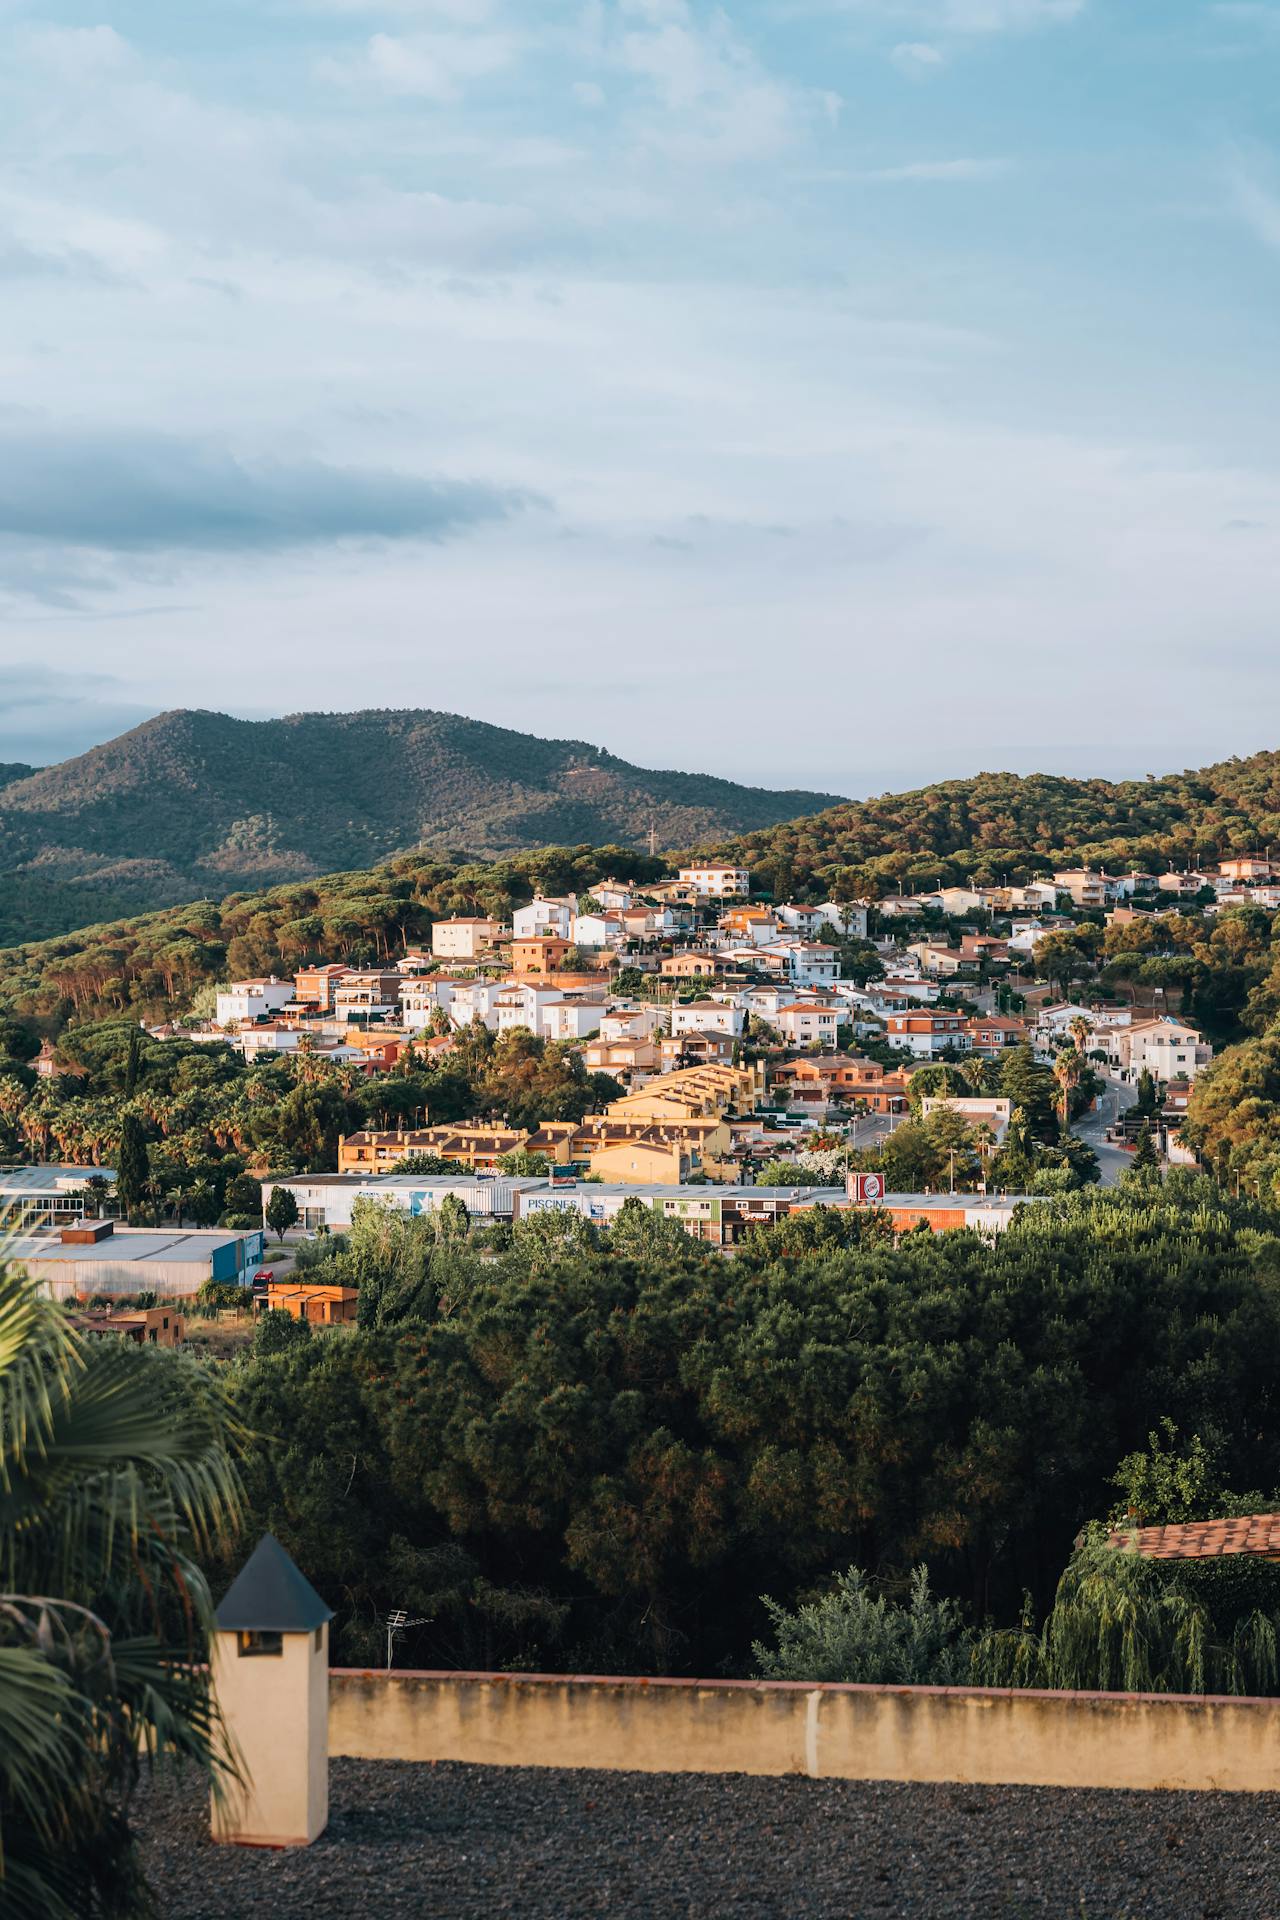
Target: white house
1169	1049
463	939
542	917
475	1000
253	1041
598	930
897	905
613	895
716	882
804	1023
708	1016
849	918
991	1113
809	963
806	921
958	900
571	1019
628	1021
419	999
250	1000
522	1003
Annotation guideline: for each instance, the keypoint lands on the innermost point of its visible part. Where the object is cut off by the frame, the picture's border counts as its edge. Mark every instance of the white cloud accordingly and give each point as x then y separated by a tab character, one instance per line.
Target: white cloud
1255	200
428	66
717	102
970	16
962	169
917	57
588	93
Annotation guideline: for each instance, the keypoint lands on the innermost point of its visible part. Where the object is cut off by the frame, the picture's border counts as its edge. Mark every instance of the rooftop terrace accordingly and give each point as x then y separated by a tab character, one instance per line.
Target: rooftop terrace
471	1843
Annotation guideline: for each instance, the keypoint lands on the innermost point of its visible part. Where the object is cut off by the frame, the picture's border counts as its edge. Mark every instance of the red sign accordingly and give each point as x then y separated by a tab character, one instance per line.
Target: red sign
866	1189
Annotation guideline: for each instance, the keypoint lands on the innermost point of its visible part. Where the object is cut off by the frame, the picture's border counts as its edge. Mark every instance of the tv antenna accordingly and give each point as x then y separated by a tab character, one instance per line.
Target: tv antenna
398	1622
653	840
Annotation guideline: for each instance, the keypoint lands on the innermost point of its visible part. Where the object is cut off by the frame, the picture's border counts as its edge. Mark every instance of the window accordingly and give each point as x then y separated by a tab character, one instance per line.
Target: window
255	1643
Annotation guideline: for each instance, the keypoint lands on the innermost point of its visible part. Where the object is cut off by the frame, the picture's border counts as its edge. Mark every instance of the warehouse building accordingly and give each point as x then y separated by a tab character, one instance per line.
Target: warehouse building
76	1262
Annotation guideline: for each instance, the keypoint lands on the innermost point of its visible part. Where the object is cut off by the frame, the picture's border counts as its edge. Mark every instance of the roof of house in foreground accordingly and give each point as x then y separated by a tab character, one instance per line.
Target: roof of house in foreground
1251	1533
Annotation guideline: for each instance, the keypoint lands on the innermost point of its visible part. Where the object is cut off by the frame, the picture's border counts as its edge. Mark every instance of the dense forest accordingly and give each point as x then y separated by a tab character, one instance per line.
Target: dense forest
191	804
597	1452
1003	825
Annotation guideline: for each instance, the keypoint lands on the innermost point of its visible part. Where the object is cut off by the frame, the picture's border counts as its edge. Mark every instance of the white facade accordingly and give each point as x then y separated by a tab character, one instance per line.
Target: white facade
419	1000
542	917
476	1000
708	1016
521	1004
717	883
806	1024
1167	1049
632	1022
572	1019
463	939
809	963
598	930
249	1000
849	918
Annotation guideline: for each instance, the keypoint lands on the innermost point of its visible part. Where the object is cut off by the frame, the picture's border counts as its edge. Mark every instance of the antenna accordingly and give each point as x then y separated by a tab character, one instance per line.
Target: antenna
653	840
398	1622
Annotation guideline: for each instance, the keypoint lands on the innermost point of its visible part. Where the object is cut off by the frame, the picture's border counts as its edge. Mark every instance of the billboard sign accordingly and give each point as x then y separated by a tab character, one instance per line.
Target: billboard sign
866	1189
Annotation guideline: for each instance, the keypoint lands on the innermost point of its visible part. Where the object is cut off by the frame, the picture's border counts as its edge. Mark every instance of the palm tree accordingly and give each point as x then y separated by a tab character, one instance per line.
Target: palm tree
1080	1029
1066	1071
117	1476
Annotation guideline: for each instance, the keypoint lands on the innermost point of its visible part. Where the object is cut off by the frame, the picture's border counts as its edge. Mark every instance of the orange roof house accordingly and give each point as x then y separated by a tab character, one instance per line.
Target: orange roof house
1257	1534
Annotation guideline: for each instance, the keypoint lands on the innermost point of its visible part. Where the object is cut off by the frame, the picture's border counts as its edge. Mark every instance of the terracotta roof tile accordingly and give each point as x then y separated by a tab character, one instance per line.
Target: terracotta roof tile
1204	1539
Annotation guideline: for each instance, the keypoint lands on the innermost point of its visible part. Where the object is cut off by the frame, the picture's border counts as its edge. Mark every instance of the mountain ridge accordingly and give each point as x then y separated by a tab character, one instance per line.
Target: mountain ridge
194	803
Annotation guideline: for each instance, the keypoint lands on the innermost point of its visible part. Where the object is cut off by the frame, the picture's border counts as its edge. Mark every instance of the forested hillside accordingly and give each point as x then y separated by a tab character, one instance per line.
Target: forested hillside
155	962
198	804
999	825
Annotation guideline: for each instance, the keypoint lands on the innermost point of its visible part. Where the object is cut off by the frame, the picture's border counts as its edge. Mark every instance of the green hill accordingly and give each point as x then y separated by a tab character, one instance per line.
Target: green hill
999	825
195	804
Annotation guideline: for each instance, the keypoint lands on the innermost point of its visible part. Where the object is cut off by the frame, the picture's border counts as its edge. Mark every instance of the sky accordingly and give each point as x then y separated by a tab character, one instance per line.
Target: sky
829	393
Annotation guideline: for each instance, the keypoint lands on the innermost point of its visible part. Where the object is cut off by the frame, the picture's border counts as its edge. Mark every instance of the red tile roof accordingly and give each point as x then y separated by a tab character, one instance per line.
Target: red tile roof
1204	1539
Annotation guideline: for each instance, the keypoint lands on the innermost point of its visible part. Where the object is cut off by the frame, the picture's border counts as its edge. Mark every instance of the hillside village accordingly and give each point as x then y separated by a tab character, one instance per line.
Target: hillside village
768	1050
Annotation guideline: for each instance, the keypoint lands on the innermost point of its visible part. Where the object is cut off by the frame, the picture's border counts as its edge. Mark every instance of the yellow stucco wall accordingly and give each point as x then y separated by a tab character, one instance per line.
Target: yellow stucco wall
850	1733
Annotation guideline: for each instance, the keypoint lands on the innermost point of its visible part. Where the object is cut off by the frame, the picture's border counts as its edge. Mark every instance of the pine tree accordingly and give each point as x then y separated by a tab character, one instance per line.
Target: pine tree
133	1061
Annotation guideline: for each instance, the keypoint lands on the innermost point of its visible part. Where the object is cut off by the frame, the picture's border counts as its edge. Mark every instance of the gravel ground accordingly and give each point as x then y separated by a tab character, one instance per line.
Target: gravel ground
456	1842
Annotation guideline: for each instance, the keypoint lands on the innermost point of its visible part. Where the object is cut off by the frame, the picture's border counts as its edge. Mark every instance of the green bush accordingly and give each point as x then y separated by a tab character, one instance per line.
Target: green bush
854	1634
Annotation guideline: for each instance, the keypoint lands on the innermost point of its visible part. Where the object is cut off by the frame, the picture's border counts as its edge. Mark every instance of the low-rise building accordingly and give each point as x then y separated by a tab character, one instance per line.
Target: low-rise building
371	1151
927	1034
170	1262
707	1016
314	986
714	882
805	1024
245	1001
539	953
980	1112
545	917
463	939
321	1306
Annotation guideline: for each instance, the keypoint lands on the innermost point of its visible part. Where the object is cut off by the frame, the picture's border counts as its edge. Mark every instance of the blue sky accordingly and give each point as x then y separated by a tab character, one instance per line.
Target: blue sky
823	392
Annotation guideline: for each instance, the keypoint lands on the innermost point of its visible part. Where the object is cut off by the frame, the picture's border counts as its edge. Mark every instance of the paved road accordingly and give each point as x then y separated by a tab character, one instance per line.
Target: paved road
1113	1101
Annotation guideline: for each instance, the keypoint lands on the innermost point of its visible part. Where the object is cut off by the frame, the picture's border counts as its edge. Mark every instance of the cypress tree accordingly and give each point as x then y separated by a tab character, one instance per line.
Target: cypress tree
133	1165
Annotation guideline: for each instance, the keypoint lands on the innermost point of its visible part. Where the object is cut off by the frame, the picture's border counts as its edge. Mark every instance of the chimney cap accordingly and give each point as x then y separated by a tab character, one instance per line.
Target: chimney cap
270	1595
